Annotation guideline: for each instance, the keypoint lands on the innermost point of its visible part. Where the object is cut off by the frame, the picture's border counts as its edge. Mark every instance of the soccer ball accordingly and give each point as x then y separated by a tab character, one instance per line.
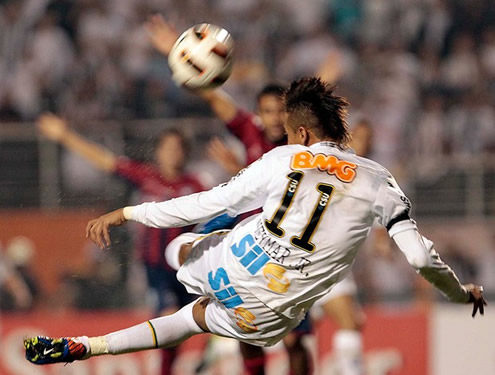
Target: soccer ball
202	57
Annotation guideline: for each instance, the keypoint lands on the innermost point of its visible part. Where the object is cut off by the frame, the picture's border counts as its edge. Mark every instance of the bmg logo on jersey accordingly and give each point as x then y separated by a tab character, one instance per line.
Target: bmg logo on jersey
253	258
344	170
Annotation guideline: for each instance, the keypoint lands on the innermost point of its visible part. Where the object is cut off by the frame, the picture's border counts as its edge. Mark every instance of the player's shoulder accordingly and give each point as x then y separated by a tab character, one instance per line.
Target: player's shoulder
371	166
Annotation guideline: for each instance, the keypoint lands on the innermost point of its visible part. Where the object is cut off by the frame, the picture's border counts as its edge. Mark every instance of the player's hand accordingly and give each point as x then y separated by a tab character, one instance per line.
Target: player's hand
52	126
476	298
98	229
218	151
162	35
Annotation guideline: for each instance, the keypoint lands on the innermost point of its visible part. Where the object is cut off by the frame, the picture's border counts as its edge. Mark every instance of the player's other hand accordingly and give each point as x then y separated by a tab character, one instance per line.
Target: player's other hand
162	35
476	298
52	126
98	229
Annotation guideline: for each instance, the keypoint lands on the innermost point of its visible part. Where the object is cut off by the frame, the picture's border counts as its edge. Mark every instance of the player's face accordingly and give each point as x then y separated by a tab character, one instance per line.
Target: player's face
272	114
170	153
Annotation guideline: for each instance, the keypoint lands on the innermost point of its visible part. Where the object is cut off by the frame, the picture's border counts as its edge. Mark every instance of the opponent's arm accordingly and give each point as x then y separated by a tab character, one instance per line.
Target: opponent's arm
218	151
163	36
57	130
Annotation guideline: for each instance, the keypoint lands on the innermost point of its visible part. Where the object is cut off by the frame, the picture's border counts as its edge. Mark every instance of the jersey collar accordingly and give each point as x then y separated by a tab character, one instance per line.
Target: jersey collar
332	144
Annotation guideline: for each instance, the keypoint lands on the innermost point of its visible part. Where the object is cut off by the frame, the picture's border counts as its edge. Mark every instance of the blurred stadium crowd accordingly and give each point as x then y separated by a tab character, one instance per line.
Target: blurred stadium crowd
429	65
421	71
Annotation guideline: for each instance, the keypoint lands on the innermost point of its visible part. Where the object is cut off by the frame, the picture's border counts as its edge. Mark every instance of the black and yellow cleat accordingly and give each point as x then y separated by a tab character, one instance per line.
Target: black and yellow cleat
42	350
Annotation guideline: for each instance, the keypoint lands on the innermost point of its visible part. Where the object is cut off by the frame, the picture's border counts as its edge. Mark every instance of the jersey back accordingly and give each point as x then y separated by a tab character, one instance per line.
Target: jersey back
319	204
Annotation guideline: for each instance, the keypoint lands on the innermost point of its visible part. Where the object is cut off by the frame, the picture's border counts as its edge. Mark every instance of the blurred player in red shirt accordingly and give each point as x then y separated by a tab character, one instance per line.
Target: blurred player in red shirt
155	182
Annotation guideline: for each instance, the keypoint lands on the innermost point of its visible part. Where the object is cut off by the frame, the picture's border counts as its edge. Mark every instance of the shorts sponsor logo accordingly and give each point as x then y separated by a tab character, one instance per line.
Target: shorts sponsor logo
277	282
251	255
245	320
226	294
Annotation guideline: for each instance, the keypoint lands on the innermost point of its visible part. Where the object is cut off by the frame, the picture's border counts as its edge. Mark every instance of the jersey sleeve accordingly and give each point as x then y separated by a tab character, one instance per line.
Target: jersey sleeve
422	256
392	207
244	192
132	171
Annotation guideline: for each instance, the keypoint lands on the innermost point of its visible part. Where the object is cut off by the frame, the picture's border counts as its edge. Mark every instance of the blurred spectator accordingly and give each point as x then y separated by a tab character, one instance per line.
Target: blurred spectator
487	56
20	252
471	128
460	70
14	292
428	135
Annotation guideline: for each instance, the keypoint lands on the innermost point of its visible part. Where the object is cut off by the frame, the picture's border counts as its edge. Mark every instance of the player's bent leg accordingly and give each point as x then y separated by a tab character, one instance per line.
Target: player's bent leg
179	248
161	332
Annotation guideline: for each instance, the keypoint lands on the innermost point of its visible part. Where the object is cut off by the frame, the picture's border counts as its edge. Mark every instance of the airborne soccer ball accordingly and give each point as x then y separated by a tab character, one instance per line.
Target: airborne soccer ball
202	57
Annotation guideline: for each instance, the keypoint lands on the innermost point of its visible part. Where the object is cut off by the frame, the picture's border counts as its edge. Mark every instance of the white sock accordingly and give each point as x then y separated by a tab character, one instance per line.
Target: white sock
173	248
161	332
348	349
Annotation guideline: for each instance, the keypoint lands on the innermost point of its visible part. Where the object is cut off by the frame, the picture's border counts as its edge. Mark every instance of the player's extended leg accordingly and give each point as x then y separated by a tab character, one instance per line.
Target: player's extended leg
347	341
161	332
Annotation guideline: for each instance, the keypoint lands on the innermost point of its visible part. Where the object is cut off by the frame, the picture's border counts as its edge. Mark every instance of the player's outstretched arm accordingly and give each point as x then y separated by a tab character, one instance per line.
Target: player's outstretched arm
163	36
57	130
421	255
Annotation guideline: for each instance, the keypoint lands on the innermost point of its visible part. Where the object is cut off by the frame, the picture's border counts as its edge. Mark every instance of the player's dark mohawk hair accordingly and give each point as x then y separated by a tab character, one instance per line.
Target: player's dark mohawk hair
312	102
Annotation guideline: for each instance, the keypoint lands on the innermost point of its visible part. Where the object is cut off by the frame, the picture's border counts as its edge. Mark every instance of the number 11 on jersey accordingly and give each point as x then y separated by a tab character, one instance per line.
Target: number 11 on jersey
304	240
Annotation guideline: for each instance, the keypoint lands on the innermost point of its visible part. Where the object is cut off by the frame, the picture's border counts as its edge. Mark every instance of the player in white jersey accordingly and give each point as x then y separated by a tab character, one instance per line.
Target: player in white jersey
319	201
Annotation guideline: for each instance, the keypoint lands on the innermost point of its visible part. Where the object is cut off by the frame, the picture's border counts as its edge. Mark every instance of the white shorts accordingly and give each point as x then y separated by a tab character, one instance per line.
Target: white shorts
250	321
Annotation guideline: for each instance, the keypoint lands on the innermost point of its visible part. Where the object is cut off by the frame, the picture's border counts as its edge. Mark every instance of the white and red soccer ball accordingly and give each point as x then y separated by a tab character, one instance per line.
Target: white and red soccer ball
201	58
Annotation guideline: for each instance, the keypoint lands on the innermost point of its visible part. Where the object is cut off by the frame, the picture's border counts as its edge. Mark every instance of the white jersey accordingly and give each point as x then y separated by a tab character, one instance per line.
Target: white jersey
318	206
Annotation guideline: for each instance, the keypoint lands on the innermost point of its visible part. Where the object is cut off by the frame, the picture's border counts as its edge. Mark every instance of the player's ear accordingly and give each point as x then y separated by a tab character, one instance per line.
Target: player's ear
303	135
